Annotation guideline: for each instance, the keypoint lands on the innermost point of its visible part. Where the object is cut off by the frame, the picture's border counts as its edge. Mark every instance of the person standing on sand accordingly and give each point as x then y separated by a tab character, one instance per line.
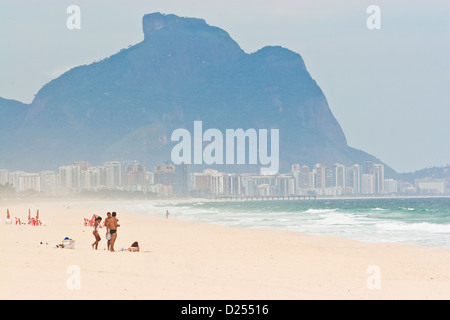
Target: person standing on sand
112	226
108	235
95	232
167	214
8	217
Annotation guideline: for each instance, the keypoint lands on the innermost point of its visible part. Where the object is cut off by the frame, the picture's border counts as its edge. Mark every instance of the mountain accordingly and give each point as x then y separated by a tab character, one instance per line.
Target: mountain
126	106
442	172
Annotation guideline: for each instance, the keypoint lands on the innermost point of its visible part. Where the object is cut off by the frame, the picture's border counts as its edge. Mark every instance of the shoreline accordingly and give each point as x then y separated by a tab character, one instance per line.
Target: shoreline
189	260
211	199
100	202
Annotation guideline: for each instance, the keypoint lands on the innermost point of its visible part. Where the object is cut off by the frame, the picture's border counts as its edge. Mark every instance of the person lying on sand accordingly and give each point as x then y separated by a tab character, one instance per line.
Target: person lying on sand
134	247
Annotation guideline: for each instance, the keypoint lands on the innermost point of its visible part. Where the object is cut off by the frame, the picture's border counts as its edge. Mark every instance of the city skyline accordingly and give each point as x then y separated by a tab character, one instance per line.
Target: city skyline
168	180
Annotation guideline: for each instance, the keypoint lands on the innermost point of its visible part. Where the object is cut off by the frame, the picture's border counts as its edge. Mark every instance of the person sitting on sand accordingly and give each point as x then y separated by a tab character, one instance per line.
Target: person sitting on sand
96	234
134	247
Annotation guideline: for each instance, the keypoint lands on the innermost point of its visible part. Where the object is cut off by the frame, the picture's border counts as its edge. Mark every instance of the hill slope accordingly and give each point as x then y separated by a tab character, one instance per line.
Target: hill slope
127	105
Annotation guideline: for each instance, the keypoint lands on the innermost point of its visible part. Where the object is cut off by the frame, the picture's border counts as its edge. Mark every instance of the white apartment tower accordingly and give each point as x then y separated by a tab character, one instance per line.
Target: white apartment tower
69	177
378	178
321	178
30	181
113	174
367	184
356	178
3	176
48	180
339	175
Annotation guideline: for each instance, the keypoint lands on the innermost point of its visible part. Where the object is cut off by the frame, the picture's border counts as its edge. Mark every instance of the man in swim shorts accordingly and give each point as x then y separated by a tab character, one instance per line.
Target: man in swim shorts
112	226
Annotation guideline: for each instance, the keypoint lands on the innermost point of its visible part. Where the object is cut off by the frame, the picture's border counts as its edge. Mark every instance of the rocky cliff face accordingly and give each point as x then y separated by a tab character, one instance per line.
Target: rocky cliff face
126	106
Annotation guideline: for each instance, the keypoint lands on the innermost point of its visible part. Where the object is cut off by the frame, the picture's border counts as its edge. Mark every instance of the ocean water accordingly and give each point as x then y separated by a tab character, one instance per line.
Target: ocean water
419	221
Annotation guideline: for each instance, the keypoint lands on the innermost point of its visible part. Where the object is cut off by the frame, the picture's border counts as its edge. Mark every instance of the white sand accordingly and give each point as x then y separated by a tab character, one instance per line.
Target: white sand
185	260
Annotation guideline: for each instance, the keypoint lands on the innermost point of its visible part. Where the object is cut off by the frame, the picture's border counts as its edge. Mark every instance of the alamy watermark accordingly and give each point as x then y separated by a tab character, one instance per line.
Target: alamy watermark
234	150
74	20
374	20
374	280
74	279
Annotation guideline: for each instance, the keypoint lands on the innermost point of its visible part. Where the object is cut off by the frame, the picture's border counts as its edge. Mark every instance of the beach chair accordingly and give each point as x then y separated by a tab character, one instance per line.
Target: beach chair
86	222
38	222
8	221
18	221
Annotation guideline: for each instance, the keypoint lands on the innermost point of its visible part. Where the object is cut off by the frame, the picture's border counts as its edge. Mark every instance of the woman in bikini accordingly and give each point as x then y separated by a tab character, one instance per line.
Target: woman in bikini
96	233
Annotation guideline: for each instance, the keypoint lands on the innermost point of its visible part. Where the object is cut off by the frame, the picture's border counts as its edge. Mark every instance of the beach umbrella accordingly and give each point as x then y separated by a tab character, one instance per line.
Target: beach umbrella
29	214
37	214
7	214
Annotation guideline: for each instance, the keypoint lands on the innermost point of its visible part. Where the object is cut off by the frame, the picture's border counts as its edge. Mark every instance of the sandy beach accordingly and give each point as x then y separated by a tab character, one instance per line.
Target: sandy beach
186	260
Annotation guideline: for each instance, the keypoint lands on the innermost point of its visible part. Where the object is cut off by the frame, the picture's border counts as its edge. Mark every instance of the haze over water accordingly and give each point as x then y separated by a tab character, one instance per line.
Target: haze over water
419	221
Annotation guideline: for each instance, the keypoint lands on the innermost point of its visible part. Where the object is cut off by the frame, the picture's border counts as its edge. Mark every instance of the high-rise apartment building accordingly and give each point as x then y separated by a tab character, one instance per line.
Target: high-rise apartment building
14	178
378	178
49	180
367	184
368	167
304	178
296	174
356	178
165	174
113	174
183	180
30	181
94	177
390	186
321	178
134	175
69	177
338	175
3	176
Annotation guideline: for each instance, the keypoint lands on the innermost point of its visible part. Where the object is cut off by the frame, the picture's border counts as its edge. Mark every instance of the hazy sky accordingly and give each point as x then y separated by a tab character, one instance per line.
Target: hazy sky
388	88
